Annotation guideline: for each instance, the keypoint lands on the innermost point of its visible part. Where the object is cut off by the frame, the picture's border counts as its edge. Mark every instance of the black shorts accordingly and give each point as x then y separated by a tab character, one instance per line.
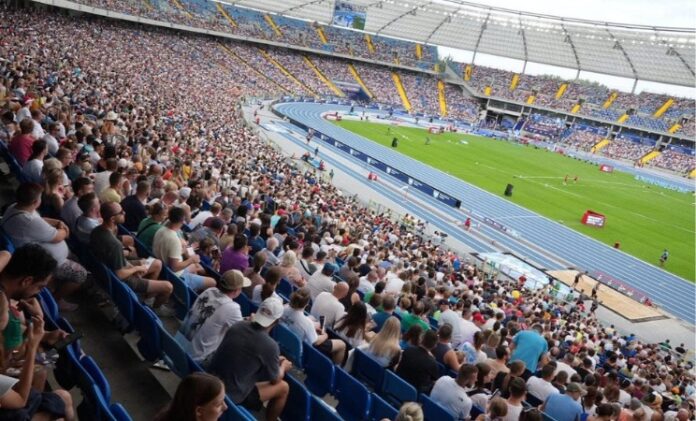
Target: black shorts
325	347
253	400
137	284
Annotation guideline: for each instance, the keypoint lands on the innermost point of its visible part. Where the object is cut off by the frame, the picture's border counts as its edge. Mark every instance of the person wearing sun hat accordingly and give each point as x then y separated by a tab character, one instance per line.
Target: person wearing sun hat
213	313
248	361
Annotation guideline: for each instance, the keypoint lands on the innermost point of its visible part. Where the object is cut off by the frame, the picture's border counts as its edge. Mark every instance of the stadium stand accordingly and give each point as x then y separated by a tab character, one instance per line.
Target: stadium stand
152	117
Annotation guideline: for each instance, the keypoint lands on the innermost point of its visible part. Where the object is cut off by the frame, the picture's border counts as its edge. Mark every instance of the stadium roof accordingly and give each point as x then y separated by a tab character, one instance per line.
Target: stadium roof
658	54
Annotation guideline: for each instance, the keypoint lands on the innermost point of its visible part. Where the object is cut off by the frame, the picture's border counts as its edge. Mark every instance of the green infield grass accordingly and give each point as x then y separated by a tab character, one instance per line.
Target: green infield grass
644	218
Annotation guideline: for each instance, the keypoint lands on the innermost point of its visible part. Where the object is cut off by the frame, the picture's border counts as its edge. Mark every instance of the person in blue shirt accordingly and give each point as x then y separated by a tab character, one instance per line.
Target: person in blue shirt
529	346
388	305
564	407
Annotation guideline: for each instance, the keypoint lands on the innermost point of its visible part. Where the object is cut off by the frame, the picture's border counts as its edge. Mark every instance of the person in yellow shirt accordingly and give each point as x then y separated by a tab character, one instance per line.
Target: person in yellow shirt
112	194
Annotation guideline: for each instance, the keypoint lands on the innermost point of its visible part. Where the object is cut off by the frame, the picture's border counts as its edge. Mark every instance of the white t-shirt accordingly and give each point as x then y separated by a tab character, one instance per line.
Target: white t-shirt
319	283
32	170
208	320
513	413
540	388
469	329
454	320
256	294
300	324
52	144
452	397
394	284
562	366
365	285
199	219
167	245
328	306
101	181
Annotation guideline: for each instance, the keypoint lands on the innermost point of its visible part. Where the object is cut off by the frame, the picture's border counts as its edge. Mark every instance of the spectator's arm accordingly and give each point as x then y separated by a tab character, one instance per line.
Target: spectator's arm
128	271
450	360
61	235
177	264
17	397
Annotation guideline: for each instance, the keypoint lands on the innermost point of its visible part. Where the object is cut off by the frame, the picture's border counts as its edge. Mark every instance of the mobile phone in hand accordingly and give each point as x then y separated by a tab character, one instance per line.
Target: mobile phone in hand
63	343
322	319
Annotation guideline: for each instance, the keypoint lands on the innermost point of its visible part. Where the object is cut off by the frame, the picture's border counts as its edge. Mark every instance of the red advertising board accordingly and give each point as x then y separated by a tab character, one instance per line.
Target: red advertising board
593	219
606	168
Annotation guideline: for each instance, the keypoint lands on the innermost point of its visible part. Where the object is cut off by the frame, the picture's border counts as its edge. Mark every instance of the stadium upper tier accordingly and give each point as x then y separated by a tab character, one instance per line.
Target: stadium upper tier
618	49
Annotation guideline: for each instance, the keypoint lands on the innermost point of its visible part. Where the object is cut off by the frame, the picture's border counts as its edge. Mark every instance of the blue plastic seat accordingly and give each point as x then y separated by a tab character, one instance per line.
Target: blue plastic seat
6	242
50	309
235	412
476	411
368	370
533	400
396	390
183	299
298	403
433	411
323	412
124	299
174	355
119	412
142	250
148	325
68	368
245	304
353	397
381	409
319	369
94	406
97	376
289	343
284	289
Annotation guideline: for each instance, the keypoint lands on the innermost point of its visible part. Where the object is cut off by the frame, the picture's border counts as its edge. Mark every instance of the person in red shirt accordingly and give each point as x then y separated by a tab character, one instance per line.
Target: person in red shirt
20	145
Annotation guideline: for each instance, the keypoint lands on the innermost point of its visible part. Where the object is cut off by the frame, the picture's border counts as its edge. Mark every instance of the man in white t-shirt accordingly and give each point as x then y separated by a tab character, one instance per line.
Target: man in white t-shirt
566	365
470	326
322	281
517	390
328	304
213	313
541	387
166	246
451	393
394	284
367	282
452	318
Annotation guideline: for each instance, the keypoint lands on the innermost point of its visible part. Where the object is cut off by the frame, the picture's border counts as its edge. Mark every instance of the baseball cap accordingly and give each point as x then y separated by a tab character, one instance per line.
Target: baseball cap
329	269
185	192
478	318
232	280
575	388
269	311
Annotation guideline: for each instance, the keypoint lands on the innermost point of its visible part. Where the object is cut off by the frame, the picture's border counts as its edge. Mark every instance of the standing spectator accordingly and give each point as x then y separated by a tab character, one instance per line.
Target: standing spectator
564	407
418	366
199	397
134	206
249	363
167	246
139	276
213	313
451	393
329	305
530	347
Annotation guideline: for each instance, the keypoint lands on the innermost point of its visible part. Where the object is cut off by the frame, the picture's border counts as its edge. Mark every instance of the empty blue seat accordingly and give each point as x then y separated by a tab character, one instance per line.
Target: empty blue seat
381	409
148	326
433	411
298	403
353	397
367	370
235	412
323	412
396	390
182	295
289	343
174	355
119	412
319	369
97	376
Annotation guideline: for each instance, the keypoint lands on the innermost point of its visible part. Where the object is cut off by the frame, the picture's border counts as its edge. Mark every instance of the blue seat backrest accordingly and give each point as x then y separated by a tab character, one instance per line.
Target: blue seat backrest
396	390
97	375
323	412
319	369
353	397
299	401
433	411
119	412
245	304
284	289
124	298
235	412
174	355
183	297
148	326
381	409
367	369
533	400
289	343
6	242
476	411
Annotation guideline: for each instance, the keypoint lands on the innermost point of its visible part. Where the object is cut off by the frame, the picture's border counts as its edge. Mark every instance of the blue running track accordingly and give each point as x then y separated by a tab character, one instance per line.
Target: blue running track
673	293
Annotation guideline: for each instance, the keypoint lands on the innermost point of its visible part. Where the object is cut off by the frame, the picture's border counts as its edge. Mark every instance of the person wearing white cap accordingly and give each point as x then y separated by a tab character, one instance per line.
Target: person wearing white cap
212	314
248	361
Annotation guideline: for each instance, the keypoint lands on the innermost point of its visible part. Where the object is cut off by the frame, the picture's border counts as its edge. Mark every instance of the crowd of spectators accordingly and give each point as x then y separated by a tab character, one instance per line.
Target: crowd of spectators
621	148
583	139
150	136
675	160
